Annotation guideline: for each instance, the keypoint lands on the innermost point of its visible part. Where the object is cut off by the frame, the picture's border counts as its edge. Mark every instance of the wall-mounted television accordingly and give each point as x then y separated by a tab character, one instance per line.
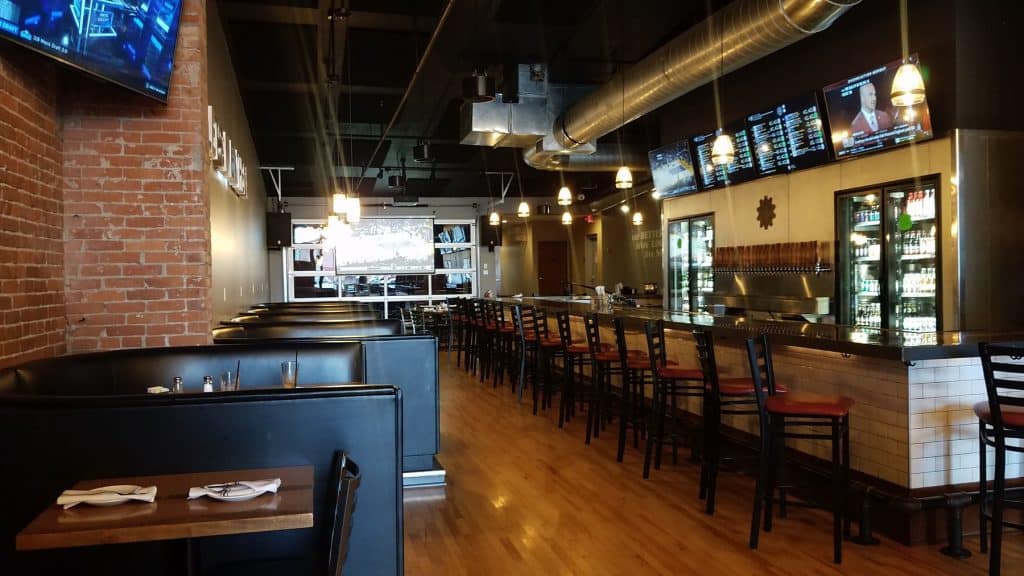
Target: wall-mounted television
788	136
863	119
672	169
739	170
386	245
128	42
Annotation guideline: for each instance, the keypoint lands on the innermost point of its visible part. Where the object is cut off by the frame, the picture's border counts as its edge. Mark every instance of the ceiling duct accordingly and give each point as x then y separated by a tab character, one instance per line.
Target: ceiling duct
740	33
511	124
603	158
405	201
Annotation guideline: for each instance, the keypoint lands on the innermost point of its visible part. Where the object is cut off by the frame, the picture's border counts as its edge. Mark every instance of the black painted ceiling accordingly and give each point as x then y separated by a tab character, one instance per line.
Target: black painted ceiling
329	132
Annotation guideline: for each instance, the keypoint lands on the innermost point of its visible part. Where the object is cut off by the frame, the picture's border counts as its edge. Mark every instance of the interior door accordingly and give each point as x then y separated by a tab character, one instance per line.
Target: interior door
552	268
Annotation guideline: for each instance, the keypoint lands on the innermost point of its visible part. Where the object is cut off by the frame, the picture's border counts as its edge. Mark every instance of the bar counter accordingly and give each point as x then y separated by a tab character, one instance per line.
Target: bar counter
912	428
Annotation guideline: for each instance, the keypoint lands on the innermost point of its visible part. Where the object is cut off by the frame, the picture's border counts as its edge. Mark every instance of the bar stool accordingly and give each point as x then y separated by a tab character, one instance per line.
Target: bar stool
604	364
999	419
797	409
502	335
670	382
549	350
576	355
729	396
635	366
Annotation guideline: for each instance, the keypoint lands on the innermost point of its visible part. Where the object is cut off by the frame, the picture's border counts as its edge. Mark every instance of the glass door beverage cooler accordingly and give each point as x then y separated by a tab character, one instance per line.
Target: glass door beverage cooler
888	266
690	275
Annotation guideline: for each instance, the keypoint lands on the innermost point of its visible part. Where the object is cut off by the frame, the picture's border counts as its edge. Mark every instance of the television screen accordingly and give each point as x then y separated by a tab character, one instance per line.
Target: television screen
385	245
739	170
129	42
788	137
672	169
863	119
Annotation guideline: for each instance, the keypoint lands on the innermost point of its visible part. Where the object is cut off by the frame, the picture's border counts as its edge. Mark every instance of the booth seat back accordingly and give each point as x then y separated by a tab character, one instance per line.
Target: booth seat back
261	311
340	316
132	371
55	441
288	330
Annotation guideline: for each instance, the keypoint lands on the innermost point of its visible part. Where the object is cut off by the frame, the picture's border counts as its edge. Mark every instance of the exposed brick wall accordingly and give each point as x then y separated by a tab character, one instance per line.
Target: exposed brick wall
137	216
32	321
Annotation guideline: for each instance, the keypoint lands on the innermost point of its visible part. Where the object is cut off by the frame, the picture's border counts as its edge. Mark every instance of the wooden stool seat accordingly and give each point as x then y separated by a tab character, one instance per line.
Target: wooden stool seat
1013	416
808	404
670	372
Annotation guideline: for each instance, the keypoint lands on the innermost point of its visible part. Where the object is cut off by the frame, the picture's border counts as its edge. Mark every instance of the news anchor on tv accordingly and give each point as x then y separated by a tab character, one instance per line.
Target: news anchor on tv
869	119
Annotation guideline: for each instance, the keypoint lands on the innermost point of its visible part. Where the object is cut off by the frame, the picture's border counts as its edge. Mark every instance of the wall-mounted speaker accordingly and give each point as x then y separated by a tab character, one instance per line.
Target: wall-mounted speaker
279	230
489	235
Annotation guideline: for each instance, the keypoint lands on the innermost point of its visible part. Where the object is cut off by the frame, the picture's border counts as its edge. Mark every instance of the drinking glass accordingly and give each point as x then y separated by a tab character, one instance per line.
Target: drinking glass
227	382
289	373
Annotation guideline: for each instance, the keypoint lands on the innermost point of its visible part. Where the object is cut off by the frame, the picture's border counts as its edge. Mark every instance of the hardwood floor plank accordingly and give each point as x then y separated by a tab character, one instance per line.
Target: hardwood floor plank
525	497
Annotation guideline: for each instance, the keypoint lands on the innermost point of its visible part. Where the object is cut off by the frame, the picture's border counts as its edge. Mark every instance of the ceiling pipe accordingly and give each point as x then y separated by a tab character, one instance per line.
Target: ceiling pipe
605	159
738	34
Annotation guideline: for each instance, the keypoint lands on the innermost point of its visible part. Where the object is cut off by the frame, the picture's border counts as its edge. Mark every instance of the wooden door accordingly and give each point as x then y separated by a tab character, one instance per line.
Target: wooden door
552	268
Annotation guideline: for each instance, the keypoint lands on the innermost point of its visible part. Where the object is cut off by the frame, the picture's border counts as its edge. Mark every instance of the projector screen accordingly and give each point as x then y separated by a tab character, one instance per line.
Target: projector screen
386	245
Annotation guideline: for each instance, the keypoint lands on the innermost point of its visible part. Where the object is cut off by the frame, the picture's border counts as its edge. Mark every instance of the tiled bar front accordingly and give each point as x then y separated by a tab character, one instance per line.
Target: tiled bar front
912	425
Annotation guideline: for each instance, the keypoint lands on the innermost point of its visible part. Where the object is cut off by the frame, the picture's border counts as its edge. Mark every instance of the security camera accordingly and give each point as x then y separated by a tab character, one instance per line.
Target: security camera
581	197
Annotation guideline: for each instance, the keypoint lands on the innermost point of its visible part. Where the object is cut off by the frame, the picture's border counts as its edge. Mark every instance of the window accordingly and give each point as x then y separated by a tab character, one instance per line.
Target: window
310	273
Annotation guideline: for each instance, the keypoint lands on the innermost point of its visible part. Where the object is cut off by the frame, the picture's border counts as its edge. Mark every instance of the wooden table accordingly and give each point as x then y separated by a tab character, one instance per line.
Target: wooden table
172	516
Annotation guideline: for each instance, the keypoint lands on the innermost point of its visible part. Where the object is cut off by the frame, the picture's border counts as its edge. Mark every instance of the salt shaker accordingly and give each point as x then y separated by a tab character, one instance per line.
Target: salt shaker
207	383
178	385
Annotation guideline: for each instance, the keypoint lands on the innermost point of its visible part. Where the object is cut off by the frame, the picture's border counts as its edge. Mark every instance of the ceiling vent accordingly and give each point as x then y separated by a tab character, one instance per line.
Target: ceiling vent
405	201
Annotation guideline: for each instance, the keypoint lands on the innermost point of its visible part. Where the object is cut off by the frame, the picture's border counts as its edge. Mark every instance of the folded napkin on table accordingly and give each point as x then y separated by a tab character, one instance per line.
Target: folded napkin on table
106	495
237	488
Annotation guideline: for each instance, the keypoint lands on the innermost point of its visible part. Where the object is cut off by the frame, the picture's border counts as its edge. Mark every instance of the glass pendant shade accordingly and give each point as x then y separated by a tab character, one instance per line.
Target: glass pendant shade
339	204
494	219
566	218
333	229
623	178
624	208
638	218
524	210
722	151
564	196
907	86
354	213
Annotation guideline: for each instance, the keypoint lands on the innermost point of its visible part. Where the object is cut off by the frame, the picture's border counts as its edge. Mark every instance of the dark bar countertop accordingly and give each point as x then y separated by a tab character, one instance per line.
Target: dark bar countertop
861	341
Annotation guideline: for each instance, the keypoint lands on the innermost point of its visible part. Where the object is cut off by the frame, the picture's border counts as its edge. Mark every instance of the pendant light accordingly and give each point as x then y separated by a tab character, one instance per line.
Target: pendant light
907	85
524	210
566	218
339	203
638	218
564	196
353	213
624	208
623	178
722	150
494	219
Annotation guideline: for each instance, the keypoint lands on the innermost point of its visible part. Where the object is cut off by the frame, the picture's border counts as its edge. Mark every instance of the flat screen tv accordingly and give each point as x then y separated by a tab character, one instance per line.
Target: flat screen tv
672	169
386	245
128	42
863	119
739	170
788	136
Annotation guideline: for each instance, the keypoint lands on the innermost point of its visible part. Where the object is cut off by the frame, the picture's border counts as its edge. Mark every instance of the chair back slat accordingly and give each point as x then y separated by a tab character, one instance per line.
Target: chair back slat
1004	383
592	328
564	328
655	332
706	358
540	320
620	339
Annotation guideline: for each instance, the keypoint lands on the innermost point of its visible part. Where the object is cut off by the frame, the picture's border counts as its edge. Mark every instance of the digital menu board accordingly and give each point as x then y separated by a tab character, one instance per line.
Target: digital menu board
787	137
739	170
672	169
863	119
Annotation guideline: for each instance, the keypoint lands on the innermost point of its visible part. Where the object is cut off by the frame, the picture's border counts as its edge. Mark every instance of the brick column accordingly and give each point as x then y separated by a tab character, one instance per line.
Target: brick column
137	215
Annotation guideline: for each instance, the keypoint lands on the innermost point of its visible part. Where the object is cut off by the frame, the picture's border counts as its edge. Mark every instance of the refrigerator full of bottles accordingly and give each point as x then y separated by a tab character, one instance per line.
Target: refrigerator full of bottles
889	257
689	263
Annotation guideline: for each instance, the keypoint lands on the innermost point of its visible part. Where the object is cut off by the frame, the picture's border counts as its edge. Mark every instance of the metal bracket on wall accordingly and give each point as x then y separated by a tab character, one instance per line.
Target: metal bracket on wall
275	177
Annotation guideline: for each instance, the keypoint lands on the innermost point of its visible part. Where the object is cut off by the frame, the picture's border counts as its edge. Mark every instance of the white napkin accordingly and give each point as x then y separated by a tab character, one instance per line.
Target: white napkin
238	487
106	495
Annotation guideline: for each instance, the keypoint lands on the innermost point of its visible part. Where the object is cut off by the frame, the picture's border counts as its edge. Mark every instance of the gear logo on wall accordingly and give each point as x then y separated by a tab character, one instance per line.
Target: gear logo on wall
766	212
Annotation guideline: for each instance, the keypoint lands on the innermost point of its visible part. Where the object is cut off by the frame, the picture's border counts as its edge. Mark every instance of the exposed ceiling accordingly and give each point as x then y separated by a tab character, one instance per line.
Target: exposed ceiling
331	131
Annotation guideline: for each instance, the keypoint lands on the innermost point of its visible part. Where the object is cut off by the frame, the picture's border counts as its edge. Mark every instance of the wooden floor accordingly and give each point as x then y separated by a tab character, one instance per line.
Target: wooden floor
524	497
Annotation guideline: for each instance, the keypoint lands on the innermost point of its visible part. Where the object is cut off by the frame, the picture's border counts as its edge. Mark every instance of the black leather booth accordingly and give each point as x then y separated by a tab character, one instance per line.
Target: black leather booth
346	316
59	429
309	331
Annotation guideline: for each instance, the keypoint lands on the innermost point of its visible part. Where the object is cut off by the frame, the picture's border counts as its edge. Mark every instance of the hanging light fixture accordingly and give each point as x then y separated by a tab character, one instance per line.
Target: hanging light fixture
494	219
354	212
907	84
564	196
524	210
624	208
566	218
655	193
638	218
722	150
623	178
333	230
339	203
